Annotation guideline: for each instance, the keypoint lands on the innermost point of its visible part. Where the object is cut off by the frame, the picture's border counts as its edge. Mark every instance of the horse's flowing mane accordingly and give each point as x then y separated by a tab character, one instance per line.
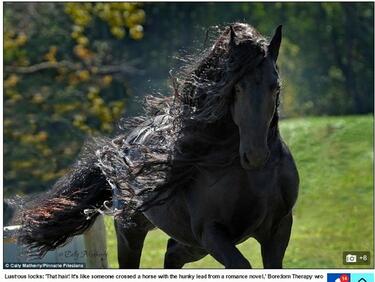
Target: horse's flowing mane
182	134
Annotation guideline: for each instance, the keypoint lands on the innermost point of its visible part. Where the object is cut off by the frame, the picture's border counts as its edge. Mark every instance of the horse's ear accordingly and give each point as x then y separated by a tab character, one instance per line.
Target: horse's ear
274	46
232	34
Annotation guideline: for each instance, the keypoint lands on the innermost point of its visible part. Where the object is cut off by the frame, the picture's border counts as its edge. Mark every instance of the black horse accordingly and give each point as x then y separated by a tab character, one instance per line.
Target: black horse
206	165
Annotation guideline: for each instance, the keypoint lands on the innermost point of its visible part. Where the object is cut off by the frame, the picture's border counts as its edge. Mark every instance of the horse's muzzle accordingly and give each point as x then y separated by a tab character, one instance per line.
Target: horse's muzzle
255	159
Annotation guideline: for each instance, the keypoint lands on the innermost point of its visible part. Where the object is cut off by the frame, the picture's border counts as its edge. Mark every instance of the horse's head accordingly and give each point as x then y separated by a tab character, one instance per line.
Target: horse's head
255	103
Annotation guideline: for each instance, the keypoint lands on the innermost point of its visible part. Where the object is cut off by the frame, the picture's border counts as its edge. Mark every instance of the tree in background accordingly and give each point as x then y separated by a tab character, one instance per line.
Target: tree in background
65	72
326	58
68	72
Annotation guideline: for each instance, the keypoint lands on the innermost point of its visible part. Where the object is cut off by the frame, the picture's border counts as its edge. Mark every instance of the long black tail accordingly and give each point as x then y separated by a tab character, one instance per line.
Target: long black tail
49	221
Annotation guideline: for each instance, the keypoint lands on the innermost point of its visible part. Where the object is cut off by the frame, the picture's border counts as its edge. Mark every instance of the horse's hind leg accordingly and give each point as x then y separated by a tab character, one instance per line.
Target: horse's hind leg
178	255
130	241
274	246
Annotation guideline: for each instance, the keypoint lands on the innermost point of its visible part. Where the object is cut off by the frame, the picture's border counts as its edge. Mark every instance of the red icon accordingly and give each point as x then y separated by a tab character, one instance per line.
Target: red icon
344	278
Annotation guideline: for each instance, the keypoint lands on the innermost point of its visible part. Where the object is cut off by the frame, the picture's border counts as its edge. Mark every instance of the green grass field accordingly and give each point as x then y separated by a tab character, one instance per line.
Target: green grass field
334	211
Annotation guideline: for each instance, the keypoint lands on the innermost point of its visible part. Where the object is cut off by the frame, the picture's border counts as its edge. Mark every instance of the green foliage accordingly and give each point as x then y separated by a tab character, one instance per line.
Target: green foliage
64	79
334	211
326	58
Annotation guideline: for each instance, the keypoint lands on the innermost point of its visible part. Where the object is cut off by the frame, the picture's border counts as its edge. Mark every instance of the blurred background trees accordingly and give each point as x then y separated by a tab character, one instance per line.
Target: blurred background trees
73	69
65	78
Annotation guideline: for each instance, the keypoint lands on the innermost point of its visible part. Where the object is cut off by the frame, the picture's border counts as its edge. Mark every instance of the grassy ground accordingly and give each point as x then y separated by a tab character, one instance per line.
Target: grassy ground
334	212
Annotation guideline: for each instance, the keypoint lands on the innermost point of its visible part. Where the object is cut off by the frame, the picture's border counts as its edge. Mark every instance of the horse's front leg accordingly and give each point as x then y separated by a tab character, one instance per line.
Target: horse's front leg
178	255
130	242
274	246
218	244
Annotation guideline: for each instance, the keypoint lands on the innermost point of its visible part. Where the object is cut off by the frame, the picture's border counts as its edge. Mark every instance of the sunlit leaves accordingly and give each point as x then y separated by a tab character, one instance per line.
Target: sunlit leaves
119	17
51	54
136	32
82	52
13	42
11	81
63	96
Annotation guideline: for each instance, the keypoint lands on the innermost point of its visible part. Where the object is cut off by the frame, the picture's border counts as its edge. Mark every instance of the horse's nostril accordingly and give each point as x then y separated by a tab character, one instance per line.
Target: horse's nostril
255	159
245	159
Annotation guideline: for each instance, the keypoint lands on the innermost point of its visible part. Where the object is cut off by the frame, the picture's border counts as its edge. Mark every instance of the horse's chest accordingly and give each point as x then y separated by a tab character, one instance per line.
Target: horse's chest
239	200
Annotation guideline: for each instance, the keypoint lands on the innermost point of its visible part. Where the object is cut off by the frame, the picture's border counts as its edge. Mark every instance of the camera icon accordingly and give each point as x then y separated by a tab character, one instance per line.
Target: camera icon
356	257
351	258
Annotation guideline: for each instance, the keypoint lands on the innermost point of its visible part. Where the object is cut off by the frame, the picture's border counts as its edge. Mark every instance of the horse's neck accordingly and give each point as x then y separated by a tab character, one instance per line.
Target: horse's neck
225	131
203	139
273	133
274	142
